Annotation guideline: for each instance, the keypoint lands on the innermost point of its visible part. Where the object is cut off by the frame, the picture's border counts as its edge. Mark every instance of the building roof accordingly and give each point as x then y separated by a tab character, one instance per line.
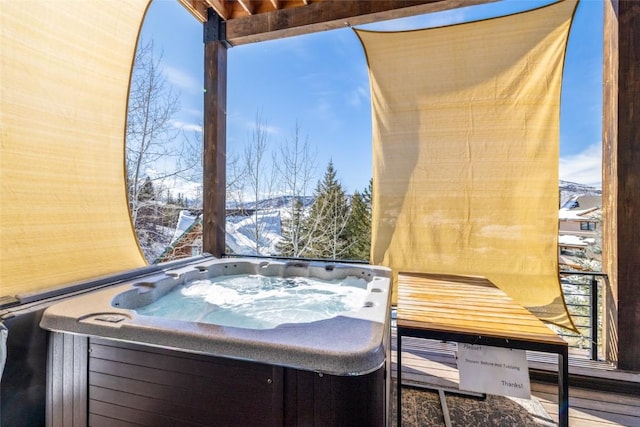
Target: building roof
580	208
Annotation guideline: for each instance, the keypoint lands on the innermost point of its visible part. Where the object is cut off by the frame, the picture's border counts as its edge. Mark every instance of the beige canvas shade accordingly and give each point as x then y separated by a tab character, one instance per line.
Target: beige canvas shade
65	68
465	147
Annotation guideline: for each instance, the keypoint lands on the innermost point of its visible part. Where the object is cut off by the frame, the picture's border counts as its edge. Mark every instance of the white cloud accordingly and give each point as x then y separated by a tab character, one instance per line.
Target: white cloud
181	79
189	127
189	189
193	112
583	168
265	127
358	96
326	113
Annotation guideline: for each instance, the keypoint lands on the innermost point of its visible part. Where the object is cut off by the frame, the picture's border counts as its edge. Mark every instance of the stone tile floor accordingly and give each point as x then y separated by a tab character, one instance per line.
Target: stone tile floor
421	408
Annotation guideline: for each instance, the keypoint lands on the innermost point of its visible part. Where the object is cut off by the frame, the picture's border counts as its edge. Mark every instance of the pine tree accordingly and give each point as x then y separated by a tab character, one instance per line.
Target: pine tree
147	192
359	226
327	221
292	243
295	165
366	195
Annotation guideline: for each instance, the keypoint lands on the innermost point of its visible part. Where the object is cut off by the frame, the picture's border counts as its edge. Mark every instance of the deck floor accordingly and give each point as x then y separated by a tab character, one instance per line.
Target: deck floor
429	365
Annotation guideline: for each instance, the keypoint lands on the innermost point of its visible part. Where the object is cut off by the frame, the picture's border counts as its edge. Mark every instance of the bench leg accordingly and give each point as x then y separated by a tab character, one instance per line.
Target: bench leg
399	377
563	388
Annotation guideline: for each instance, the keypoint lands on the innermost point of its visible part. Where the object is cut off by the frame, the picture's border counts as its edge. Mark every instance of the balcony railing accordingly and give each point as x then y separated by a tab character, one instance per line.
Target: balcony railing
583	295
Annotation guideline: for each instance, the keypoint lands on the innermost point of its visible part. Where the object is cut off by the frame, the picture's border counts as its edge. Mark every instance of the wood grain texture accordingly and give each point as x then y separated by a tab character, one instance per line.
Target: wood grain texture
329	14
464	304
215	147
621	180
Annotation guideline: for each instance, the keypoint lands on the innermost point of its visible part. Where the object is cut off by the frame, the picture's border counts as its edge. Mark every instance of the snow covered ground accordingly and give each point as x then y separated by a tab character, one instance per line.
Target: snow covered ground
241	231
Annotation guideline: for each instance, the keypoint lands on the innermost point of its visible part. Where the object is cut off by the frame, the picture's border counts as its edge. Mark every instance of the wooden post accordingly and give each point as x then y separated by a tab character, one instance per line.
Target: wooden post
621	181
215	136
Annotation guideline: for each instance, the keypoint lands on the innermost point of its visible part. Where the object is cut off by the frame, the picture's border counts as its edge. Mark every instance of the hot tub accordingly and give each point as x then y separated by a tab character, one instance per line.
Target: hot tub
348	350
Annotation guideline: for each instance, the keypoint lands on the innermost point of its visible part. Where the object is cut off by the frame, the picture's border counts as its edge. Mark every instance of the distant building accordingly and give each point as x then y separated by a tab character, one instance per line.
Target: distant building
187	238
239	234
580	219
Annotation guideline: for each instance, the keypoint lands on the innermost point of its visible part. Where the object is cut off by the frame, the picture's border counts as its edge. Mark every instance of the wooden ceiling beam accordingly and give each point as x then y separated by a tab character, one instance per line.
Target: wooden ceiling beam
246	5
197	8
328	15
221	8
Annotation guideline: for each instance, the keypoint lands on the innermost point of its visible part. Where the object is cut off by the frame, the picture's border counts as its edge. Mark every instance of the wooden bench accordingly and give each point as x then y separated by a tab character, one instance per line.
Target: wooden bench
467	309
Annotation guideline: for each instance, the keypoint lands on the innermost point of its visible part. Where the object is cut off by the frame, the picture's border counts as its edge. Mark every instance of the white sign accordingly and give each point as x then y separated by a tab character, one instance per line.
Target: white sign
494	370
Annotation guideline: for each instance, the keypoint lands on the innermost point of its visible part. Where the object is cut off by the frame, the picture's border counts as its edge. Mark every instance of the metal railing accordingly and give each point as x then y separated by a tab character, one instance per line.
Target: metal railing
583	294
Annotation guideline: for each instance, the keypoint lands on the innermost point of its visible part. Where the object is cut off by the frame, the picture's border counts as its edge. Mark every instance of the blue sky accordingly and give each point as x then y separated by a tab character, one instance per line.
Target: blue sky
320	81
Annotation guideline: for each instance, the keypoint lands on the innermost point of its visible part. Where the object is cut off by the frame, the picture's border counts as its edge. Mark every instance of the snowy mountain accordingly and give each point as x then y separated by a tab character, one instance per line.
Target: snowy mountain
571	189
240	228
278	202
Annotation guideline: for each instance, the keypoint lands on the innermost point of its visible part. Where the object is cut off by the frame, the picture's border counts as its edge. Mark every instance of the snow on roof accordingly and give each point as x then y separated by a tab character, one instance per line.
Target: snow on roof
579	206
570	240
577	215
185	220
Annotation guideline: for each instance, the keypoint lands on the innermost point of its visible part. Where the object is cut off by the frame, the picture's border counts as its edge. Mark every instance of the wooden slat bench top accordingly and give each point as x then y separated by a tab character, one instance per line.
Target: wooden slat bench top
466	304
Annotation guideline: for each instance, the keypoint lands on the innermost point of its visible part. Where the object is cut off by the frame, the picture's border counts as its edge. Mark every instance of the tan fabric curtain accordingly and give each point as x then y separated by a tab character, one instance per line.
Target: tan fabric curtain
65	68
465	143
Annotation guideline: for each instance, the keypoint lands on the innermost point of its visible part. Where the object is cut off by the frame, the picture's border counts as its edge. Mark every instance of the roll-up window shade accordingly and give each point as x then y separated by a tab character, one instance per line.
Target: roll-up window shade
465	142
65	68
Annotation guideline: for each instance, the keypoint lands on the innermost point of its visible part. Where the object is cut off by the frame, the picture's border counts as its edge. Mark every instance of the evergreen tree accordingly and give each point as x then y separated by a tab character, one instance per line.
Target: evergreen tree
359	226
182	201
366	195
292	243
295	165
327	221
170	199
147	192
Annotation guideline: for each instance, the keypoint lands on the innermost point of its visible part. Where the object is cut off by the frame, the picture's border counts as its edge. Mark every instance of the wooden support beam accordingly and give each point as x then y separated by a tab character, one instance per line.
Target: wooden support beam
621	180
246	5
220	7
197	8
330	14
215	137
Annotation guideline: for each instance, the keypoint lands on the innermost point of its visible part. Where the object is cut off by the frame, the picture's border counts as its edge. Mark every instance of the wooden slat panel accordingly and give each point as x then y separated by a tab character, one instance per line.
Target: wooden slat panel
598	374
174	361
139	373
141	384
327	400
66	380
472	325
96	420
466	304
161	391
590	409
451	310
431	363
598	402
135	416
169	408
